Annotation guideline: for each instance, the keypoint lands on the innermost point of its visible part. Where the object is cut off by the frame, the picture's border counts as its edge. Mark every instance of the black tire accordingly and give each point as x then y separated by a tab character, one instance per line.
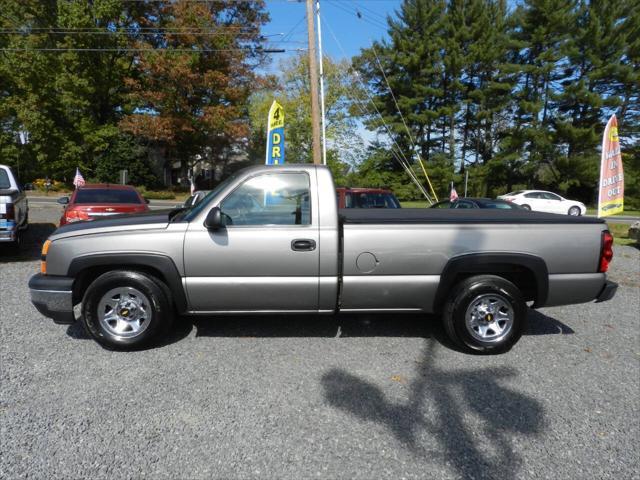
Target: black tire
16	245
157	307
526	207
575	211
472	290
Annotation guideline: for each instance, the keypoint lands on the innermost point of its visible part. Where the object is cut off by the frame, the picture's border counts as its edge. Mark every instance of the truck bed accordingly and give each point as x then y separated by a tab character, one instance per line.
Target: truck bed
431	215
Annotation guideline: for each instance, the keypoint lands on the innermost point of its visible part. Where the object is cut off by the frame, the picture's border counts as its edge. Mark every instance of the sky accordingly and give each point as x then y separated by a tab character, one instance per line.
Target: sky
338	16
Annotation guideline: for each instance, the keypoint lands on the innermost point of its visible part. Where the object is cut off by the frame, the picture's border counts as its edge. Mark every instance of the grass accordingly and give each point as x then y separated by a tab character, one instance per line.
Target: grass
620	232
631	213
414	204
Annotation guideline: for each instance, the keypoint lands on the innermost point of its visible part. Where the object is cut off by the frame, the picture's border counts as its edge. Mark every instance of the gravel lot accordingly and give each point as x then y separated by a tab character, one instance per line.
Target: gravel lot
299	397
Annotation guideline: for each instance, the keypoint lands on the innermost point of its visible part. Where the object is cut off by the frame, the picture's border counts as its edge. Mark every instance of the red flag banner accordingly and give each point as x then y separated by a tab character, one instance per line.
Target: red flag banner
611	188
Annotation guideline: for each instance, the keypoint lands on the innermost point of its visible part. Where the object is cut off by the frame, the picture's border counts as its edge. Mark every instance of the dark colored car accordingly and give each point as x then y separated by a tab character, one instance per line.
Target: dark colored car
468	202
99	200
366	198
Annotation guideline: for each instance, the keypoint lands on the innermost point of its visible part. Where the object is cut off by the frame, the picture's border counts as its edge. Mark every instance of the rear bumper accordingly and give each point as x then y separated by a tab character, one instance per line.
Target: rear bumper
8	234
7	237
608	291
569	289
53	297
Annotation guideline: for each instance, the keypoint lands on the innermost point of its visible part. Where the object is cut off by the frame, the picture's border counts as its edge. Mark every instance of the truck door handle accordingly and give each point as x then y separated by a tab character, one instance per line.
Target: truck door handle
303	245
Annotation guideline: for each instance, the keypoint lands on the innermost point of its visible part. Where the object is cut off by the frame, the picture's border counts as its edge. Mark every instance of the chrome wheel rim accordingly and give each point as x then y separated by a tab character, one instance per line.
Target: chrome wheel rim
124	312
489	318
574	211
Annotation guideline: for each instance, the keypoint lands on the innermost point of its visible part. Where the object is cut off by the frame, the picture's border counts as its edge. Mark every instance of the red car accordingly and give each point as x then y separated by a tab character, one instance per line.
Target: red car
99	200
366	198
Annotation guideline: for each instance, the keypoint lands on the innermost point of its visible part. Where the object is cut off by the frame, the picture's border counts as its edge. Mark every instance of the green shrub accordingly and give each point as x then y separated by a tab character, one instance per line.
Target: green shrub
162	195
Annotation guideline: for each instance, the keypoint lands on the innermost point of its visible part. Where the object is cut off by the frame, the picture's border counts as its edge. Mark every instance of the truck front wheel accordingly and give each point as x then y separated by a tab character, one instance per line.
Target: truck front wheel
126	310
485	314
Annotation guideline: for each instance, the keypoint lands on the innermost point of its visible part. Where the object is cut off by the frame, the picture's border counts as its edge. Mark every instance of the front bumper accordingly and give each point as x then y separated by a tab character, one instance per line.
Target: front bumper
608	291
52	296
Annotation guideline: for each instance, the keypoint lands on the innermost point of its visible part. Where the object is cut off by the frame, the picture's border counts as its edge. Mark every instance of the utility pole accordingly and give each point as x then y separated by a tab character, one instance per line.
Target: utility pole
324	120
313	78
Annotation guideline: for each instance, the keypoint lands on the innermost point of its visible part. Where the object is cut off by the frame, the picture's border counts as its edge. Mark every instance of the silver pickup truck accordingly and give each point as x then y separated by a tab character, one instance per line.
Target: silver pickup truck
271	240
14	208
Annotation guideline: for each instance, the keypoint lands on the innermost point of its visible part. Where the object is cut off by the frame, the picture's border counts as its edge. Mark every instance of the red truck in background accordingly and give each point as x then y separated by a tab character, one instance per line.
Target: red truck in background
366	198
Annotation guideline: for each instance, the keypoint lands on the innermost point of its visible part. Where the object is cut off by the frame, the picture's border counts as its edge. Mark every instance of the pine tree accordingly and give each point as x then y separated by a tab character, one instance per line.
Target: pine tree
543	29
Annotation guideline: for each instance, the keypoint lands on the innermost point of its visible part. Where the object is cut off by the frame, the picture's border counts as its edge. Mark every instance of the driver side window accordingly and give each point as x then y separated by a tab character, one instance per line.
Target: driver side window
270	199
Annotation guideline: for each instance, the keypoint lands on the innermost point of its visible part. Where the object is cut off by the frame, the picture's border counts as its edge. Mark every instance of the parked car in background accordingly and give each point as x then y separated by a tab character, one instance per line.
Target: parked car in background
366	198
541	201
468	202
100	200
14	208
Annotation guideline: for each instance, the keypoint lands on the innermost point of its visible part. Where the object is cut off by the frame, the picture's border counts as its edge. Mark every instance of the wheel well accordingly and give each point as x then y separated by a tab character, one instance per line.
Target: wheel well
521	277
86	277
527	272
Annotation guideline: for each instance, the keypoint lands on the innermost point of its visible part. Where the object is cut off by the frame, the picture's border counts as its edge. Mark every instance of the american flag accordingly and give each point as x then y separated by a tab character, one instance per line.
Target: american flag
453	195
78	180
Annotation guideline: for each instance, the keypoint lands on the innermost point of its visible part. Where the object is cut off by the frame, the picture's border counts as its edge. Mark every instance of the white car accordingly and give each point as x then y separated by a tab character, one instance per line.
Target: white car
541	201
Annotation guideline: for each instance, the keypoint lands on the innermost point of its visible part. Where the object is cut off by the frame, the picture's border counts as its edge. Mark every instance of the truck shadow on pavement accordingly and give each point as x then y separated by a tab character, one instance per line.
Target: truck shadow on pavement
327	326
469	413
347	325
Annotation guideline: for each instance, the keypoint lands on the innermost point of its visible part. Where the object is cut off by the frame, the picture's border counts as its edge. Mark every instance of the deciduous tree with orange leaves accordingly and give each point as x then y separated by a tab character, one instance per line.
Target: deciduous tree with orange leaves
194	72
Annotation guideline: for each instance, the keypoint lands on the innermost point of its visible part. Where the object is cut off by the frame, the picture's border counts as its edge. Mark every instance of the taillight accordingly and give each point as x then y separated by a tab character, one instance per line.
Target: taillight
606	251
43	257
10	212
75	216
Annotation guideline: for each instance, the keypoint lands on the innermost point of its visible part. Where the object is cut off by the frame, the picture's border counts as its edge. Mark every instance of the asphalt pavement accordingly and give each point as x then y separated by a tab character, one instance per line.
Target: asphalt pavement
320	397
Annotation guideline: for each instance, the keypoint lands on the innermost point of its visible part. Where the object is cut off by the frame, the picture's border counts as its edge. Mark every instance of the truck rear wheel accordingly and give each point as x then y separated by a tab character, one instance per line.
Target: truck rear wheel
485	314
126	310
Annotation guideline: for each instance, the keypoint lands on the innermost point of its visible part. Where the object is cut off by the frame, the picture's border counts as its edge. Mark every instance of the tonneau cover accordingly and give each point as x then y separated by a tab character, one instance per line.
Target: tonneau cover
451	215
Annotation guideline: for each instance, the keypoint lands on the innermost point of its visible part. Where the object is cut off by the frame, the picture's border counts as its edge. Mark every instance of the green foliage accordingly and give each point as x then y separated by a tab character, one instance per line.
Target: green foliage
75	105
159	195
514	98
291	89
126	154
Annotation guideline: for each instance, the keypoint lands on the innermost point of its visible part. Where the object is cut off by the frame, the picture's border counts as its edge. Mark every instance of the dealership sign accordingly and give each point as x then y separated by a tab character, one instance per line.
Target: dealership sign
275	135
611	187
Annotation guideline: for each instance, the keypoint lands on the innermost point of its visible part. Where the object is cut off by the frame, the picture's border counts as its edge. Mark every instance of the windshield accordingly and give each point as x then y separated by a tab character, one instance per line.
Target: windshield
503	205
371	200
106	195
191	212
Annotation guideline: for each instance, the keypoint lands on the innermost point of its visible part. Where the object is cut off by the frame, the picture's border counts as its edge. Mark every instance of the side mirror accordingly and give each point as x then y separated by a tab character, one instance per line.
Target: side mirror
214	219
63	200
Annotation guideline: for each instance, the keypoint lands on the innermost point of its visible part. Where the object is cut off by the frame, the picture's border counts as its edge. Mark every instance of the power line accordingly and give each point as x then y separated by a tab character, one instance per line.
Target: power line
378	16
395	102
401	158
217	27
121	32
356	13
159	50
289	34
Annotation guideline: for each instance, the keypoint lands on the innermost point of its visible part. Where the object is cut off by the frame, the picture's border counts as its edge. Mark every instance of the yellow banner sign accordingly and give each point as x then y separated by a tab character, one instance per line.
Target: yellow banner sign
611	188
